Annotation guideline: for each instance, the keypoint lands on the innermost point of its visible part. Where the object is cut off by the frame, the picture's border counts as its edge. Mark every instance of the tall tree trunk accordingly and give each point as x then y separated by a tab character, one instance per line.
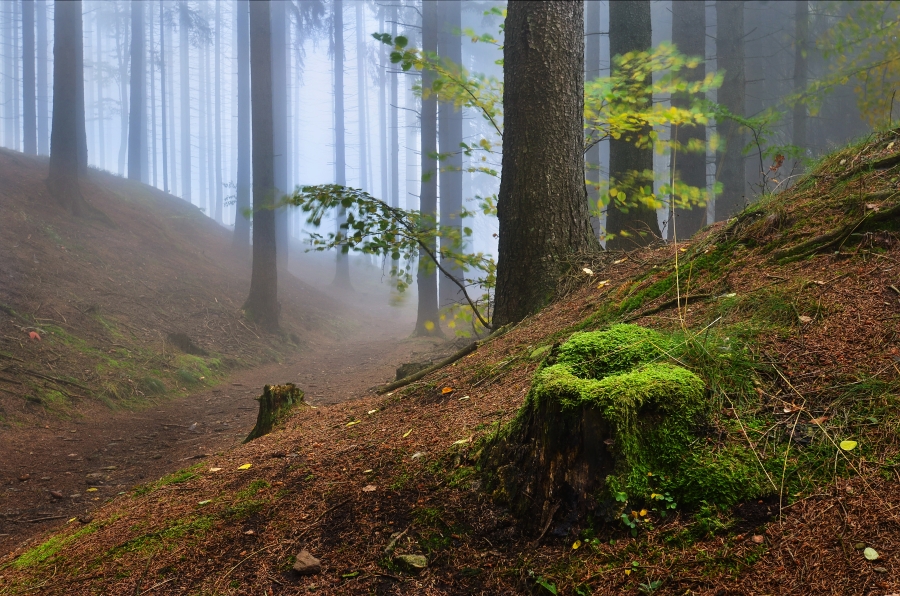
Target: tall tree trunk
542	204
382	115
98	72
28	96
152	71
395	122
122	55
170	83
242	190
280	22
81	124
451	127
8	65
42	100
135	124
427	317
185	91
730	59
689	36
592	20
361	92
210	136
342	272
262	304
162	96
634	225
201	131
801	35
67	46
218	91
14	42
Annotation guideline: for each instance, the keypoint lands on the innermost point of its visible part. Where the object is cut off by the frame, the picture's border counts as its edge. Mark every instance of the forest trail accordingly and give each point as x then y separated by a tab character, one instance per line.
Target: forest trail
67	468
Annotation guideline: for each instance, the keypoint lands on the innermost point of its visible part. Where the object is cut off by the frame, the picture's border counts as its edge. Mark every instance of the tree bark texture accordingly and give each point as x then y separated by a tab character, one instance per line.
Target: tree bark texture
67	45
633	225
451	127
135	125
730	59
689	36
242	190
542	205
262	304
427	317
28	79
280	23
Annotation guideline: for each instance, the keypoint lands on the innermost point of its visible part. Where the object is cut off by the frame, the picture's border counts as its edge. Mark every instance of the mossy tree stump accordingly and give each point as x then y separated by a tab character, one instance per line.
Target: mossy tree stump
608	422
274	403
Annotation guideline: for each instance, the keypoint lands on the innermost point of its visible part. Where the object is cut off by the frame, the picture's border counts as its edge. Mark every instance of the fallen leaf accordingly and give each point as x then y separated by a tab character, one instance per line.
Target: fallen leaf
642	512
369	488
215	469
804	319
353	422
576	545
620	261
870	553
406	434
464	397
91	490
370	412
369	471
245	467
34	335
843	161
890	146
588	271
462	441
872	206
249	533
757	539
603	283
206	502
818	420
446	390
628	572
848	445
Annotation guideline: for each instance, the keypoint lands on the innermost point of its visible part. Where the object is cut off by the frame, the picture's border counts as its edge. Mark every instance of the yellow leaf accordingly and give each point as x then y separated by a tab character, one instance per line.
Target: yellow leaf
603	283
848	445
215	469
447	390
245	467
643	512
429	325
91	490
353	422
628	572
370	412
71	520
406	434
576	545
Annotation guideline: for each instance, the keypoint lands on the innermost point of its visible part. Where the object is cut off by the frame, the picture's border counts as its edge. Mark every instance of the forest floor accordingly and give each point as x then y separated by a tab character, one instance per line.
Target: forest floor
794	308
81	419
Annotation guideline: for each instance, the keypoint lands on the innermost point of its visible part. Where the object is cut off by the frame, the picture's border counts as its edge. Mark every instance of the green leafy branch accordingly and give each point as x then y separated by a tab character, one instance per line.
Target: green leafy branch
371	226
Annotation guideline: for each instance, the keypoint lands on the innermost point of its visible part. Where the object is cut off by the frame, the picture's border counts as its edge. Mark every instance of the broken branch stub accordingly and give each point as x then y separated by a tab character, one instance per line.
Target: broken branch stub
274	403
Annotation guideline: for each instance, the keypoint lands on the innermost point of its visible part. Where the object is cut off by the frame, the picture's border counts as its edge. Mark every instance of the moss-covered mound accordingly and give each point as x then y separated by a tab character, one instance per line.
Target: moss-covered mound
611	420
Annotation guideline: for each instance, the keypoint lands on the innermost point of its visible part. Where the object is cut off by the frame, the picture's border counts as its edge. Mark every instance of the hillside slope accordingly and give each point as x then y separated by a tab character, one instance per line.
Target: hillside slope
142	301
788	313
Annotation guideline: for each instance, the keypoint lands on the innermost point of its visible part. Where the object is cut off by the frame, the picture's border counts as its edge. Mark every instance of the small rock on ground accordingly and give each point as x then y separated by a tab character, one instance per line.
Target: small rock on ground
411	563
307	564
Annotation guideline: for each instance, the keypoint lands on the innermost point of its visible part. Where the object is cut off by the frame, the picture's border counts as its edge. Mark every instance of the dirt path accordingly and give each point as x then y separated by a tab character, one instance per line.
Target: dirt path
62	471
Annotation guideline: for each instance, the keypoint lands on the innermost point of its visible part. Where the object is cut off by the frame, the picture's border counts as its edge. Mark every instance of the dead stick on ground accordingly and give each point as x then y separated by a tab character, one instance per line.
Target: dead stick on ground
445	362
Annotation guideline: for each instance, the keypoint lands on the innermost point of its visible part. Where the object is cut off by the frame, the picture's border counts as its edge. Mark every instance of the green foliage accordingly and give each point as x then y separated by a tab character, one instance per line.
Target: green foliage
615	350
47	550
374	227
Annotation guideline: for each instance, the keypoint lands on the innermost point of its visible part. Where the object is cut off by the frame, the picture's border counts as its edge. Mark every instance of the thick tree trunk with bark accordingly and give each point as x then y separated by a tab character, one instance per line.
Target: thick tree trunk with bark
542	205
135	121
67	46
28	97
427	318
689	36
280	23
630	166
451	127
262	304
730	59
242	190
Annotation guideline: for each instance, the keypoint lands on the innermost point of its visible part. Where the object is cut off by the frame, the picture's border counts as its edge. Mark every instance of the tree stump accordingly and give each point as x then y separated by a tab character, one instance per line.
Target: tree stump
275	402
609	422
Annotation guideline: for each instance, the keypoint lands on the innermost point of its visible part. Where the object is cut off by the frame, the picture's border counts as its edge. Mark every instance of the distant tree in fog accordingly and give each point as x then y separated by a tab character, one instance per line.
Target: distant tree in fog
65	139
730	59
136	129
262	303
342	270
43	112
28	79
242	191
